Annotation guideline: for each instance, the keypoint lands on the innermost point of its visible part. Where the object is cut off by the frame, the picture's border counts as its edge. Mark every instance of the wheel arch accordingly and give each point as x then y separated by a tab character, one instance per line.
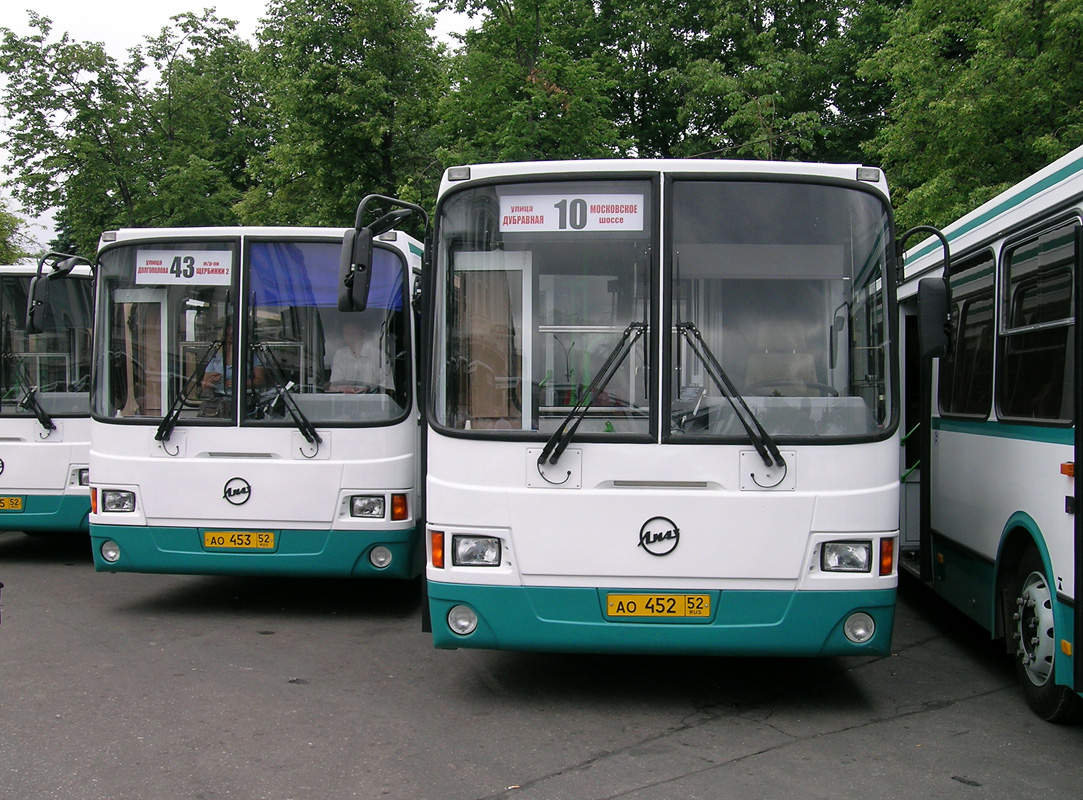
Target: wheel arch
1020	533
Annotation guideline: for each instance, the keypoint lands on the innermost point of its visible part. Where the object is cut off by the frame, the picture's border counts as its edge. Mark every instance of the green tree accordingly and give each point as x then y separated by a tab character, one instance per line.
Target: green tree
780	81
529	84
985	94
109	146
13	240
353	87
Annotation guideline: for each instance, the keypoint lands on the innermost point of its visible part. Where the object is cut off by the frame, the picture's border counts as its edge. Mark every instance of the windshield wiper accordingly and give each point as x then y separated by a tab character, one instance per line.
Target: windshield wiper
29	401
562	436
169	422
283	393
761	439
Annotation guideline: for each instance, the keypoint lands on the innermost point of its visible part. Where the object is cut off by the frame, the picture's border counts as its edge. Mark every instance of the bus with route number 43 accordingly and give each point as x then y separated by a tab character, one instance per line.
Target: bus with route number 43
241	422
662	408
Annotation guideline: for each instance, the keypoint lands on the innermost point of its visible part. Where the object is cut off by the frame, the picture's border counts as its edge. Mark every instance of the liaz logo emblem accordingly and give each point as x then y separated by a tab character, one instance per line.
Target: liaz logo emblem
659	536
237	491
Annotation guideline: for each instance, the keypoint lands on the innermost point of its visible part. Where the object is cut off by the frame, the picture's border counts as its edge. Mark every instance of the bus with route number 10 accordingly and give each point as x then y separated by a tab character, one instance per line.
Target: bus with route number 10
662	408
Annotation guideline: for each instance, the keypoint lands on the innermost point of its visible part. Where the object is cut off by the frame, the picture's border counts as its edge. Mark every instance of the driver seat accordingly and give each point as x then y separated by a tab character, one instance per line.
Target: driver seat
779	356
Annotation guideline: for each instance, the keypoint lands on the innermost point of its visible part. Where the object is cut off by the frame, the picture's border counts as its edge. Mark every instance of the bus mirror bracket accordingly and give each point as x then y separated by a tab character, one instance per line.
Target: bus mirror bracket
37	301
934	300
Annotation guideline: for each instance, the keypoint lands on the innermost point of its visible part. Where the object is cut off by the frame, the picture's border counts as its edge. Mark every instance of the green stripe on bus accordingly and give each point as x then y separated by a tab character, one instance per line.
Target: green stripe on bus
1006	430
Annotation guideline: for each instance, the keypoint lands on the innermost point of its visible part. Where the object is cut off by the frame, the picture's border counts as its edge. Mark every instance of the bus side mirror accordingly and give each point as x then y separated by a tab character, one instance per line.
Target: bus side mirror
934	317
37	296
37	302
355	270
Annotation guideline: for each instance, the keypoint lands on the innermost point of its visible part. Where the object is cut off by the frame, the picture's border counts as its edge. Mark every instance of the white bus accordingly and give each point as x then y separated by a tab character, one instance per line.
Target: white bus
44	391
663	408
1001	536
242	423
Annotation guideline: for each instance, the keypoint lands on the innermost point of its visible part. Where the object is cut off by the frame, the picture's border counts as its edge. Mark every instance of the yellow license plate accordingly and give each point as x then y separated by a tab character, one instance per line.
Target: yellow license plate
239	540
658	605
11	504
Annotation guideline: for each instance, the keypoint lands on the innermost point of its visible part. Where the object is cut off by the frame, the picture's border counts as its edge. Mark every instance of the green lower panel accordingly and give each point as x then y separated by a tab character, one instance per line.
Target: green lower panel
740	623
301	553
59	513
965	580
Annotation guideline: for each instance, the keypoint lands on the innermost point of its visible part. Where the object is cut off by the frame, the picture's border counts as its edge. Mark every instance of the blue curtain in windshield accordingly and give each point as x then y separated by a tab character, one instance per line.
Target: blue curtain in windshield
306	274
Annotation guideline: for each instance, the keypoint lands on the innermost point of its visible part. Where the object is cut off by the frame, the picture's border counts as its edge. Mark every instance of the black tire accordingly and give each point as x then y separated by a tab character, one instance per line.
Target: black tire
1030	625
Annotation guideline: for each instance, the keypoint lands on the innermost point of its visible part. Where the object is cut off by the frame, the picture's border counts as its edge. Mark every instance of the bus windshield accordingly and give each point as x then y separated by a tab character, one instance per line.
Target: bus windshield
790	304
540	284
52	368
172	332
771	291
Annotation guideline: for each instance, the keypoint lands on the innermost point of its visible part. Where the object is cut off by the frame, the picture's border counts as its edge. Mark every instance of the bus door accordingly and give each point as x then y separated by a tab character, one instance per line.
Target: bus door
137	337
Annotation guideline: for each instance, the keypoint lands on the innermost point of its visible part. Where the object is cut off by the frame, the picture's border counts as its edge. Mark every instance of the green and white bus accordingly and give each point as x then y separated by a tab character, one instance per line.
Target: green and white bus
44	398
662	408
990	502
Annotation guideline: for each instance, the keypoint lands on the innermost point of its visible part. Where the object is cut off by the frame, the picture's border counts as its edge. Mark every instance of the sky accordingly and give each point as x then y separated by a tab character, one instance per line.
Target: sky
121	24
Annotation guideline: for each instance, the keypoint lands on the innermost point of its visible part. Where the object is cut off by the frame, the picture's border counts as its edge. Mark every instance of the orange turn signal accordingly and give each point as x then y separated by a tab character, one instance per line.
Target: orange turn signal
1068	468
399	510
93	500
887	556
436	538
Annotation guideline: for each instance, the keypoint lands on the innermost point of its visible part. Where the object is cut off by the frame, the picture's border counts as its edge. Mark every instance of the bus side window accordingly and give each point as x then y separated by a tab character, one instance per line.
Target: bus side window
1035	378
966	373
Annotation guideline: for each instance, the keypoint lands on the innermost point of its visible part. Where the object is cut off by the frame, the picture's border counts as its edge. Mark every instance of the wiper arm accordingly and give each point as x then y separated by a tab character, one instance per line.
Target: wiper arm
29	401
283	393
761	439
169	422
562	436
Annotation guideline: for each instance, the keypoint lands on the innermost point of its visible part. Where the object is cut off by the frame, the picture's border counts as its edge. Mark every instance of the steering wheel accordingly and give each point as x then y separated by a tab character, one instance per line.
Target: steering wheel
822	388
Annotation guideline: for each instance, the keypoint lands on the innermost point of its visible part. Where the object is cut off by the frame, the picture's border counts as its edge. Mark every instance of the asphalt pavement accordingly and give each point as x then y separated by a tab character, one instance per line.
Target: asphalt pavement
154	686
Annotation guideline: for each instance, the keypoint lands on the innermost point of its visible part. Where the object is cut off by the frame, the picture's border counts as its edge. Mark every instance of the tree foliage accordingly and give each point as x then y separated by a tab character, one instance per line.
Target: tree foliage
112	147
985	93
13	240
352	87
528	84
342	98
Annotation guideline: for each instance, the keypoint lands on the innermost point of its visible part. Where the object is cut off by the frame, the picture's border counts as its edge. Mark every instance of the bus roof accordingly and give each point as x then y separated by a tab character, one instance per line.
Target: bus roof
1059	183
635	166
130	234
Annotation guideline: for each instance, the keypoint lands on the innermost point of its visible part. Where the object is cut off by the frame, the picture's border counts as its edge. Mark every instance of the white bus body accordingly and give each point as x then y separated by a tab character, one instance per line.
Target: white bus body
666	520
1002	538
300	470
44	409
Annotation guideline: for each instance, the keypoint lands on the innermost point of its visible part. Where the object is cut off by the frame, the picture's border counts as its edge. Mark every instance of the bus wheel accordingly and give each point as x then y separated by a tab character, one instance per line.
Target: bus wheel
1036	642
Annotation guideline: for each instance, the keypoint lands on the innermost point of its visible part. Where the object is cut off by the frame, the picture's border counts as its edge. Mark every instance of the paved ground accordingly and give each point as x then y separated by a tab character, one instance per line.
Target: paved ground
145	686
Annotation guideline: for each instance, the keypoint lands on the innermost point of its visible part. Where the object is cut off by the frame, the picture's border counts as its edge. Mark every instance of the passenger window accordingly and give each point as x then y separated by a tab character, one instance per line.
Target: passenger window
1035	376
966	373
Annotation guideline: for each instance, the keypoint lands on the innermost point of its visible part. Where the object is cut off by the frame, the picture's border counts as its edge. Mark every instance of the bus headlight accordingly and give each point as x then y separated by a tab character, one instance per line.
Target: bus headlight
846	557
475	551
370	506
117	500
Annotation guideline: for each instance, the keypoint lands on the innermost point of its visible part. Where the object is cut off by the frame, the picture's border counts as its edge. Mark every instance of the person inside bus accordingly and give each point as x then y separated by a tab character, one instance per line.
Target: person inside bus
360	365
218	376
